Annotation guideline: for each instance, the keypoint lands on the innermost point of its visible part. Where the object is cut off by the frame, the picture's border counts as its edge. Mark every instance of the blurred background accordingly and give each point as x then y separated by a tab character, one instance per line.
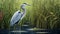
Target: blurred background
42	14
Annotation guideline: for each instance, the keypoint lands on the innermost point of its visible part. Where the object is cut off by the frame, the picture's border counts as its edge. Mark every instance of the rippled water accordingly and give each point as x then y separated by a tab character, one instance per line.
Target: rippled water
26	29
30	32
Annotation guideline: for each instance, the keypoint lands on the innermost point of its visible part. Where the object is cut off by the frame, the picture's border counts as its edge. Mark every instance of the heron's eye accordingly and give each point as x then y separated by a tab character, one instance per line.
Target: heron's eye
18	12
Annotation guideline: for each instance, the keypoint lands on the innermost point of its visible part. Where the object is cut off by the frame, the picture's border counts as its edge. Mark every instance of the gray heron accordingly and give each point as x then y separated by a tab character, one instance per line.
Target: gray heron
18	15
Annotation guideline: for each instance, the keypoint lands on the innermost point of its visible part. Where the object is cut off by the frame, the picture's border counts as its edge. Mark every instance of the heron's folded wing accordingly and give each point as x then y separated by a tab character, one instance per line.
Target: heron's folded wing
15	18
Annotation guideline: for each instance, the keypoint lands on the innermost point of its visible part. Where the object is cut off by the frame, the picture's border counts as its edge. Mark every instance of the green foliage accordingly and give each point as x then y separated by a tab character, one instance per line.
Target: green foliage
45	13
41	13
8	7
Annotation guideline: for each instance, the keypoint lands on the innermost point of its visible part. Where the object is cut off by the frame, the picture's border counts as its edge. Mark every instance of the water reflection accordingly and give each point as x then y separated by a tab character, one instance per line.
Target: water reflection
18	31
43	31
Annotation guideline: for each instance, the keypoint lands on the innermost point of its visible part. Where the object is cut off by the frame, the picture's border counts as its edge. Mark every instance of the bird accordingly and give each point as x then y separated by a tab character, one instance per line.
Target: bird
18	15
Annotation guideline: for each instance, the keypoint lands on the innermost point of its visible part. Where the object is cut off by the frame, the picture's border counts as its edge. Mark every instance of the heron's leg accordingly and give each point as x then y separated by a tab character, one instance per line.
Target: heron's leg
16	25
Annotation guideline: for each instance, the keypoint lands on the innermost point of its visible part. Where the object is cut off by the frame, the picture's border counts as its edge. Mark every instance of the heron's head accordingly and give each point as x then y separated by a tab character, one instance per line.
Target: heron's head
24	5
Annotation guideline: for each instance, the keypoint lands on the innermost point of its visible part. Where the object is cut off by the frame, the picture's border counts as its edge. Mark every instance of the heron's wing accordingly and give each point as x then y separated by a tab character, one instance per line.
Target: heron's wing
15	18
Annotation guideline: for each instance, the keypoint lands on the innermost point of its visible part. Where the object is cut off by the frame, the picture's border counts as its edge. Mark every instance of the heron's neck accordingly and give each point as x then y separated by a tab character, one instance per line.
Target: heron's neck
24	11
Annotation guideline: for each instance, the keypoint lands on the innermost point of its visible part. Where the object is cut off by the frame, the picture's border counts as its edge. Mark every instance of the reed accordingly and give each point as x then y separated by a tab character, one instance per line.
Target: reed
8	7
42	13
45	14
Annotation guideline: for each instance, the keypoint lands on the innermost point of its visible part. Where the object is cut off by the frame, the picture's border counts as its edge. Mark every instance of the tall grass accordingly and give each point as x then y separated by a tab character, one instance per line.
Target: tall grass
45	14
42	13
8	7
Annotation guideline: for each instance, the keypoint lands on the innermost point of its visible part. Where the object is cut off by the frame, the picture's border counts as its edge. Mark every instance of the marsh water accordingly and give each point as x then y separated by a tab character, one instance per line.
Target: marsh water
26	29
